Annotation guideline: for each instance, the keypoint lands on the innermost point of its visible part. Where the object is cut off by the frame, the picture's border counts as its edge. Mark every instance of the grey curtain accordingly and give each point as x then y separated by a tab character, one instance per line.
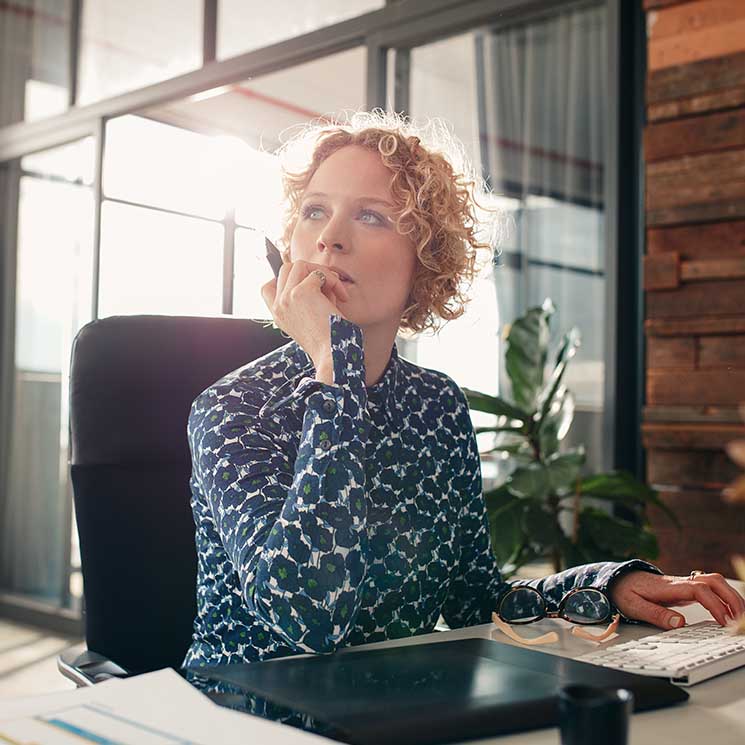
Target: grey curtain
541	132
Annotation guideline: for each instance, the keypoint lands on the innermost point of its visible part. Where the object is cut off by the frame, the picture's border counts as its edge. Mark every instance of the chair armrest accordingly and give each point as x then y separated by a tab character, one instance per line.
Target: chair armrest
87	668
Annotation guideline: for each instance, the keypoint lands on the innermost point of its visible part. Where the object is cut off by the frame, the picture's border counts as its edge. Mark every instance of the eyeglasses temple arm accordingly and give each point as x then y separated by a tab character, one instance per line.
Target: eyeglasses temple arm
551	636
582	634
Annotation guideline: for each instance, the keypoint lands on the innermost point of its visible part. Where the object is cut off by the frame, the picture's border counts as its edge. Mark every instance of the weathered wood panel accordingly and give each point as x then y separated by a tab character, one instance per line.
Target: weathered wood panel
712	41
720	297
697	213
695	326
696	179
684	193
722	351
661	271
714	387
694	16
704	469
717	101
711	550
716	240
671	352
712	531
705	510
702	271
692	414
699	134
651	4
694	147
696	79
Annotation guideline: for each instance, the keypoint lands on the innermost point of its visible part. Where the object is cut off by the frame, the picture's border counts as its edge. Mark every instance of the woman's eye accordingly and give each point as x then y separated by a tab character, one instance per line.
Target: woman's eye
373	214
311	208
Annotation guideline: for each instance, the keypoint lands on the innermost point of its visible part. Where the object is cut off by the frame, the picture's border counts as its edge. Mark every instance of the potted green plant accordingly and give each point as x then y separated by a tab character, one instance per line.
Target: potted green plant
547	481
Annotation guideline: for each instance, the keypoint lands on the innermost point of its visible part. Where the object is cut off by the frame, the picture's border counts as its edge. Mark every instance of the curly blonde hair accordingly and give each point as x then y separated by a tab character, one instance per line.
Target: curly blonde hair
434	188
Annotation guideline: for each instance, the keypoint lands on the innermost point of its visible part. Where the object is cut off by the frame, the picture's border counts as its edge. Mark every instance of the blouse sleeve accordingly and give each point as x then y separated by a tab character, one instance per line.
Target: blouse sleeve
294	530
477	586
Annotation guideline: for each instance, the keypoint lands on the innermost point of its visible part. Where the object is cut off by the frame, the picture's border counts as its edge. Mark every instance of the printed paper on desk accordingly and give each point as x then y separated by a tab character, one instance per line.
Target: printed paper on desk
158	708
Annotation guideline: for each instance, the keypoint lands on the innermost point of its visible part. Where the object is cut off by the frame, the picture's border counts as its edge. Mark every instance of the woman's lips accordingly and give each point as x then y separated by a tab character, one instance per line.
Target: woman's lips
343	276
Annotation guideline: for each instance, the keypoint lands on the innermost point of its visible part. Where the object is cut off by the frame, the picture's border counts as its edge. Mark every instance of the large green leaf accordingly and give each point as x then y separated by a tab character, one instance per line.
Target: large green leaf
504	512
525	555
574	554
619	537
518	452
494	405
583	552
567	349
563	470
540	526
525	359
621	486
554	427
529	481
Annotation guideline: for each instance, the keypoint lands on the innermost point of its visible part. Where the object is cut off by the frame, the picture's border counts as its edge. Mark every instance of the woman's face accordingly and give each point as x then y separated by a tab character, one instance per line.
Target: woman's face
346	221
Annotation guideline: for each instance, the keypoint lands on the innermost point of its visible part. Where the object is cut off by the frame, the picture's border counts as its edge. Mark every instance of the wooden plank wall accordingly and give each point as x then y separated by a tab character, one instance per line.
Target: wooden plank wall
694	273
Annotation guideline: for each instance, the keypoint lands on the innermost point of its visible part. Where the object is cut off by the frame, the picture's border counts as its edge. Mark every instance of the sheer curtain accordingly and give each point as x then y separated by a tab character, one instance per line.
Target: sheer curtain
542	136
544	130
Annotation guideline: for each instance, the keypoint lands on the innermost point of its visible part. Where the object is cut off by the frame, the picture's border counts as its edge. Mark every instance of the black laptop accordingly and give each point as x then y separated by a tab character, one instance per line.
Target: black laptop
439	692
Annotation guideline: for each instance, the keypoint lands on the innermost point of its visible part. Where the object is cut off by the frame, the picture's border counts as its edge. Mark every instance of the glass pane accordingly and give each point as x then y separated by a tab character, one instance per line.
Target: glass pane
158	164
157	262
444	71
531	115
34	59
251	272
260	109
53	301
243	26
257	189
73	163
130	45
248	121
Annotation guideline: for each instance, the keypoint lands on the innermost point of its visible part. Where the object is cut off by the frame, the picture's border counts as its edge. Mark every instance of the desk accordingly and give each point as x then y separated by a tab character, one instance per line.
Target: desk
714	715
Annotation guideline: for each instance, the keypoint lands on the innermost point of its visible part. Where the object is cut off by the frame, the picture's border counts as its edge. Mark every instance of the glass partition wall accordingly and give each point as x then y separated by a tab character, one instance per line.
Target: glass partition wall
164	208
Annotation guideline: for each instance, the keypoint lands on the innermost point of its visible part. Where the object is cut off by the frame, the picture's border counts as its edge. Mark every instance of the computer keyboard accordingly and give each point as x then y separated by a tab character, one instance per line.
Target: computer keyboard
687	656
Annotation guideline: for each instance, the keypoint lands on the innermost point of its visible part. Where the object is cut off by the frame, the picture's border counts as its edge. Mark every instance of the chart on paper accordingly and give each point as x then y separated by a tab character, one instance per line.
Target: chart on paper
89	723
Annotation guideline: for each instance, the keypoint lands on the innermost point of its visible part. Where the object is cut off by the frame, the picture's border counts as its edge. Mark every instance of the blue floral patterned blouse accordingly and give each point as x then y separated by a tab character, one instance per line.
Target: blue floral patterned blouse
333	515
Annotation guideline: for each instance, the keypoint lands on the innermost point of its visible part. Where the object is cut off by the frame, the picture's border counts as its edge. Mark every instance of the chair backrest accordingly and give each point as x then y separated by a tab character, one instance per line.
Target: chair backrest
132	382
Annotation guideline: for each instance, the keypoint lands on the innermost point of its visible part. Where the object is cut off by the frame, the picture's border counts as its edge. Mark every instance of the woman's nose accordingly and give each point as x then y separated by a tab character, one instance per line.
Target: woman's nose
327	243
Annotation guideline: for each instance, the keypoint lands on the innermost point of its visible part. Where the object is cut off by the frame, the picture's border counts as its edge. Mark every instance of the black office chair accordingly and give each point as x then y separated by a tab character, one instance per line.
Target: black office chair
132	382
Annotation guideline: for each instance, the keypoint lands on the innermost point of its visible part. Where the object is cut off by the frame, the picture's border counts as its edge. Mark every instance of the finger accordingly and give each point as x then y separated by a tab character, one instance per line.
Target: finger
642	610
310	284
301	269
269	292
726	592
710	600
282	276
333	284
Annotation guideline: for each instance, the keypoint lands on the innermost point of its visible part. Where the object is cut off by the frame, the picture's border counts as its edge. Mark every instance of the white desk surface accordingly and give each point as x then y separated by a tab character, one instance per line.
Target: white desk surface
714	714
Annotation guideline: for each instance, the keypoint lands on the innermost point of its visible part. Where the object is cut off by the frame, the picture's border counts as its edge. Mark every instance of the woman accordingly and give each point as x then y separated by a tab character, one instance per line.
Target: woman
336	486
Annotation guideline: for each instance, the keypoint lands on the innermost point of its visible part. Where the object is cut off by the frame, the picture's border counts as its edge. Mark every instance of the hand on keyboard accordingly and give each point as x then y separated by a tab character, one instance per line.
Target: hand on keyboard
645	596
687	655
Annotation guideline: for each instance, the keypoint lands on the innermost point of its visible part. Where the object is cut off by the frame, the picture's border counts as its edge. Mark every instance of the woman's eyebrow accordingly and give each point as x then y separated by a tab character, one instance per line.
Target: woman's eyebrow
360	199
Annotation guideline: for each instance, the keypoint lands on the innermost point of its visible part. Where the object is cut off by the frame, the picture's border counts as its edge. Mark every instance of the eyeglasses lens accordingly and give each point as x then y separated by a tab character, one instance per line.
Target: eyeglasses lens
587	606
522	605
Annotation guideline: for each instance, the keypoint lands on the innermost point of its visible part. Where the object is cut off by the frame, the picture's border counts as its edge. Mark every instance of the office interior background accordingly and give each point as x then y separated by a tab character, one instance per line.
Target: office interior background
137	176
